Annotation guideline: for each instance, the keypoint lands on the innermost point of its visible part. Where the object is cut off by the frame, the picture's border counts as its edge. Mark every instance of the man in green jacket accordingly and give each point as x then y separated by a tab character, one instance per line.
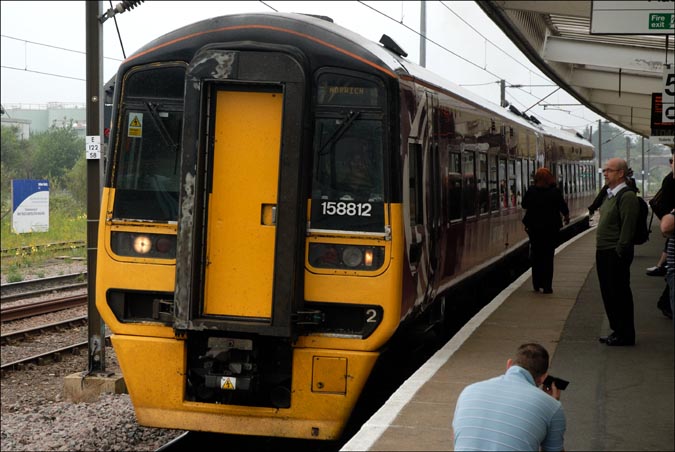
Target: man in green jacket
614	252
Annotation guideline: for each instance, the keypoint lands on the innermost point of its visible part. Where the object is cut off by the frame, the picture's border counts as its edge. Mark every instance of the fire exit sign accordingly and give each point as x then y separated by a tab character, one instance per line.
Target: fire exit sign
629	17
661	21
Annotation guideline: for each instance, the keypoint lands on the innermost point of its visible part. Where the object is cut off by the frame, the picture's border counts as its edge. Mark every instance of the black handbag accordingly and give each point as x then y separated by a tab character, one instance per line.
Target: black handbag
657	205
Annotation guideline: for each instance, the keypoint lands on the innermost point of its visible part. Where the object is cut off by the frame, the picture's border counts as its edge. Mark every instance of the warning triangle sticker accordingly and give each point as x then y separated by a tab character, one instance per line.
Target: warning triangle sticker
135	122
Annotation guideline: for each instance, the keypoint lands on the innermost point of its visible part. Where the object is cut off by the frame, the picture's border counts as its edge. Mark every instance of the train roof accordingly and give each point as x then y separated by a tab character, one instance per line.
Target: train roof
309	26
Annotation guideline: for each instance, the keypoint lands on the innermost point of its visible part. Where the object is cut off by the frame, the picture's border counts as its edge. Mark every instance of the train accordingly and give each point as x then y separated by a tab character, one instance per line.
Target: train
281	196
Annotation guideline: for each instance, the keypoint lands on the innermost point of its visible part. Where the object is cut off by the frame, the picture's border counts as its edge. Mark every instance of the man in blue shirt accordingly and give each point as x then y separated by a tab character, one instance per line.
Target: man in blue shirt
510	412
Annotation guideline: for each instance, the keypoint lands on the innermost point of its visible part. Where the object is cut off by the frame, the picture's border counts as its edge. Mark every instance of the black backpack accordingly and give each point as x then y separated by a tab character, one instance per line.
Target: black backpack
642	229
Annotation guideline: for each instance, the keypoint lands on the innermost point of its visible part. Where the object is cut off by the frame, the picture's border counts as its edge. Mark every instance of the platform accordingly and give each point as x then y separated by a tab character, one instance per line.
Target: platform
619	398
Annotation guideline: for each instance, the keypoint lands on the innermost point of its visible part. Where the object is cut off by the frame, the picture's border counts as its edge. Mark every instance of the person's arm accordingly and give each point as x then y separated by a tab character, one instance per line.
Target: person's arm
668	224
555	434
629	210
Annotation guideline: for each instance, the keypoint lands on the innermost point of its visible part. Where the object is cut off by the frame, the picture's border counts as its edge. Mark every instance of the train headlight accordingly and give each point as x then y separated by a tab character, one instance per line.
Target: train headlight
156	246
142	244
347	257
352	256
368	258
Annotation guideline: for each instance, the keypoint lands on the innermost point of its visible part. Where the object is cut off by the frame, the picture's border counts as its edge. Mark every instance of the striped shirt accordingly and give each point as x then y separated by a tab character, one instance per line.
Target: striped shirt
508	413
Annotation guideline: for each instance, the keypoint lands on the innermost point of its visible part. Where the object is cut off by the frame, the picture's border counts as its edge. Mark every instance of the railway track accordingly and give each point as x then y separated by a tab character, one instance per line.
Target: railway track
41	307
55	355
28	250
20	335
36	287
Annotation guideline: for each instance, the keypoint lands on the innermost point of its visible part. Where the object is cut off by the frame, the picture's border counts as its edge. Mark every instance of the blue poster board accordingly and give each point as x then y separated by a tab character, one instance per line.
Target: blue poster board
30	205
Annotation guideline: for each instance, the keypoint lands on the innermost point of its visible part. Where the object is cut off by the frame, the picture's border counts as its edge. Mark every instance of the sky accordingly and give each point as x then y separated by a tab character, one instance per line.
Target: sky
43	47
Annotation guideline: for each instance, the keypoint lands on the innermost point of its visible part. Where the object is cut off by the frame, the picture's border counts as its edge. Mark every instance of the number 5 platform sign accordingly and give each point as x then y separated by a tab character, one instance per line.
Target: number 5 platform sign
30	205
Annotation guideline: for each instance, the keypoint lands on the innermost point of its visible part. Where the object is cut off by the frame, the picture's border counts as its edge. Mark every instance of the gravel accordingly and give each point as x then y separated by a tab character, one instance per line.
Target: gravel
34	416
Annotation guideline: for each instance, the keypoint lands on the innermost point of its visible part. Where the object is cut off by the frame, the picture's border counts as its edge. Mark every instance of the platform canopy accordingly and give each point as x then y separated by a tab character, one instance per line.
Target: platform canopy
612	74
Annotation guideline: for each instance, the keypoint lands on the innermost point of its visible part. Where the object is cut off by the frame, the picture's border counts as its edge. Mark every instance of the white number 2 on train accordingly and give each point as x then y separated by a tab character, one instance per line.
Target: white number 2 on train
346	208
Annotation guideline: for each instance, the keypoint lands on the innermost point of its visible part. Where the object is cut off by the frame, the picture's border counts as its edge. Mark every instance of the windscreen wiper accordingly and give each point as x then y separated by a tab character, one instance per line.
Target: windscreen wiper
346	124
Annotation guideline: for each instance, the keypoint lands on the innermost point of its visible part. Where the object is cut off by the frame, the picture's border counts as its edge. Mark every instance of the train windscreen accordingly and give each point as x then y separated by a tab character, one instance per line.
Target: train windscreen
147	174
348	166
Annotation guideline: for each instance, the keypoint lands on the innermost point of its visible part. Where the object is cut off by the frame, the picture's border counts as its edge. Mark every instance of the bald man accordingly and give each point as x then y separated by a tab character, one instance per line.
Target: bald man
614	252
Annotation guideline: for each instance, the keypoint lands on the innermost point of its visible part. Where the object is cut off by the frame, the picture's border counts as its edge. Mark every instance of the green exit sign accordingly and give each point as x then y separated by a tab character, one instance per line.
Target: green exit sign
661	21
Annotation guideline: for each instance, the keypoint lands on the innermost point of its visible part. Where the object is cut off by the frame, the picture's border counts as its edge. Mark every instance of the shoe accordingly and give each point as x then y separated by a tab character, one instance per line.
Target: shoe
657	270
604	339
617	341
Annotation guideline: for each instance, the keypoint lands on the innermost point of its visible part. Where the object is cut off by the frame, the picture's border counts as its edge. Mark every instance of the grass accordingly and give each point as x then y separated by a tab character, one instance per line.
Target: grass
67	223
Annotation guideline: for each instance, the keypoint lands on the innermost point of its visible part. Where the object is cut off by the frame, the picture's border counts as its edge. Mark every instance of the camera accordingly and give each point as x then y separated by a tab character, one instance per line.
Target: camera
559	382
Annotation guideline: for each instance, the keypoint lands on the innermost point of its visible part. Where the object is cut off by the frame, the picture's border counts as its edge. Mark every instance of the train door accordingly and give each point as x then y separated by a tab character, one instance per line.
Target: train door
433	185
239	263
241	229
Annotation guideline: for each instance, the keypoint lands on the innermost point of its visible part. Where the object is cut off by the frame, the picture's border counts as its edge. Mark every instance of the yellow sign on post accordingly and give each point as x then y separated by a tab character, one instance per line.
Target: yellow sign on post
135	129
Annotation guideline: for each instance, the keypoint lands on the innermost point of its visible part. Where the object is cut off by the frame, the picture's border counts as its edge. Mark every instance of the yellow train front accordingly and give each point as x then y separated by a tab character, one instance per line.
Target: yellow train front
238	305
281	195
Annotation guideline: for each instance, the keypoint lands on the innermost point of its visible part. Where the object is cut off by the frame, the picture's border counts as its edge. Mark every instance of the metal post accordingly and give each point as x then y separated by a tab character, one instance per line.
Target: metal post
502	92
94	46
423	33
628	151
644	173
600	184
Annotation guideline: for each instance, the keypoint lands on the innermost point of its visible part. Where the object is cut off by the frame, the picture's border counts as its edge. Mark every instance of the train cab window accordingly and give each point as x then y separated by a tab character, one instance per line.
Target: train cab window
147	173
348	167
483	197
340	90
348	164
455	186
469	176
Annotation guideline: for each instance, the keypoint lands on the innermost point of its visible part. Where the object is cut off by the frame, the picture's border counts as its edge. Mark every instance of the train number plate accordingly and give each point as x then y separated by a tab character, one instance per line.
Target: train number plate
347	215
228	383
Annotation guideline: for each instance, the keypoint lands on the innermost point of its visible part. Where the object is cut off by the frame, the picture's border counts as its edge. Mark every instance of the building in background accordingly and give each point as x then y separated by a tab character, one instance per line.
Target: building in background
36	118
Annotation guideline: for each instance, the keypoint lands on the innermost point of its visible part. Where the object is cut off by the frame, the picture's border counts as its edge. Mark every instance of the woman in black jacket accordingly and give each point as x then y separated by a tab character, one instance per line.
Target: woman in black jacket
544	204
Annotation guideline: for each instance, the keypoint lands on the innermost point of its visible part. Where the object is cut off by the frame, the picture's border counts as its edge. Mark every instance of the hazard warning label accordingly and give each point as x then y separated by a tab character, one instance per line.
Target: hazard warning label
135	129
228	383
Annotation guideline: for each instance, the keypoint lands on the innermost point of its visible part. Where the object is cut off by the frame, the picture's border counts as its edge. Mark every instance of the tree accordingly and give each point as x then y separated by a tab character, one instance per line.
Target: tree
16	161
75	182
56	152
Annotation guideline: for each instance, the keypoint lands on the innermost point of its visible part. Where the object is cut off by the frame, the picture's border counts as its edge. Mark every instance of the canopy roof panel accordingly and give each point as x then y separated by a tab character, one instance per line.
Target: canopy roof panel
613	75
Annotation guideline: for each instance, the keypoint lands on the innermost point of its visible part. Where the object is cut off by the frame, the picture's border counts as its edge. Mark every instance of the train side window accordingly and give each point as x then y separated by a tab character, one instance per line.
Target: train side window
494	193
455	186
503	188
513	187
519	181
469	189
483	196
415	183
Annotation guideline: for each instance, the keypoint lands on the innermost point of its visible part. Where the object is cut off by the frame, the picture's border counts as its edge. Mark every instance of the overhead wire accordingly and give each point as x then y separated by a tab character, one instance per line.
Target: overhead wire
54	47
498	77
493	44
43	73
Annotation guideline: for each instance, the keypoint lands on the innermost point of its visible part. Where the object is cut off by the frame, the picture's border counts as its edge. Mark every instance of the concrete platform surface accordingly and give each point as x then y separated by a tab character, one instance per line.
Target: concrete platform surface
619	398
